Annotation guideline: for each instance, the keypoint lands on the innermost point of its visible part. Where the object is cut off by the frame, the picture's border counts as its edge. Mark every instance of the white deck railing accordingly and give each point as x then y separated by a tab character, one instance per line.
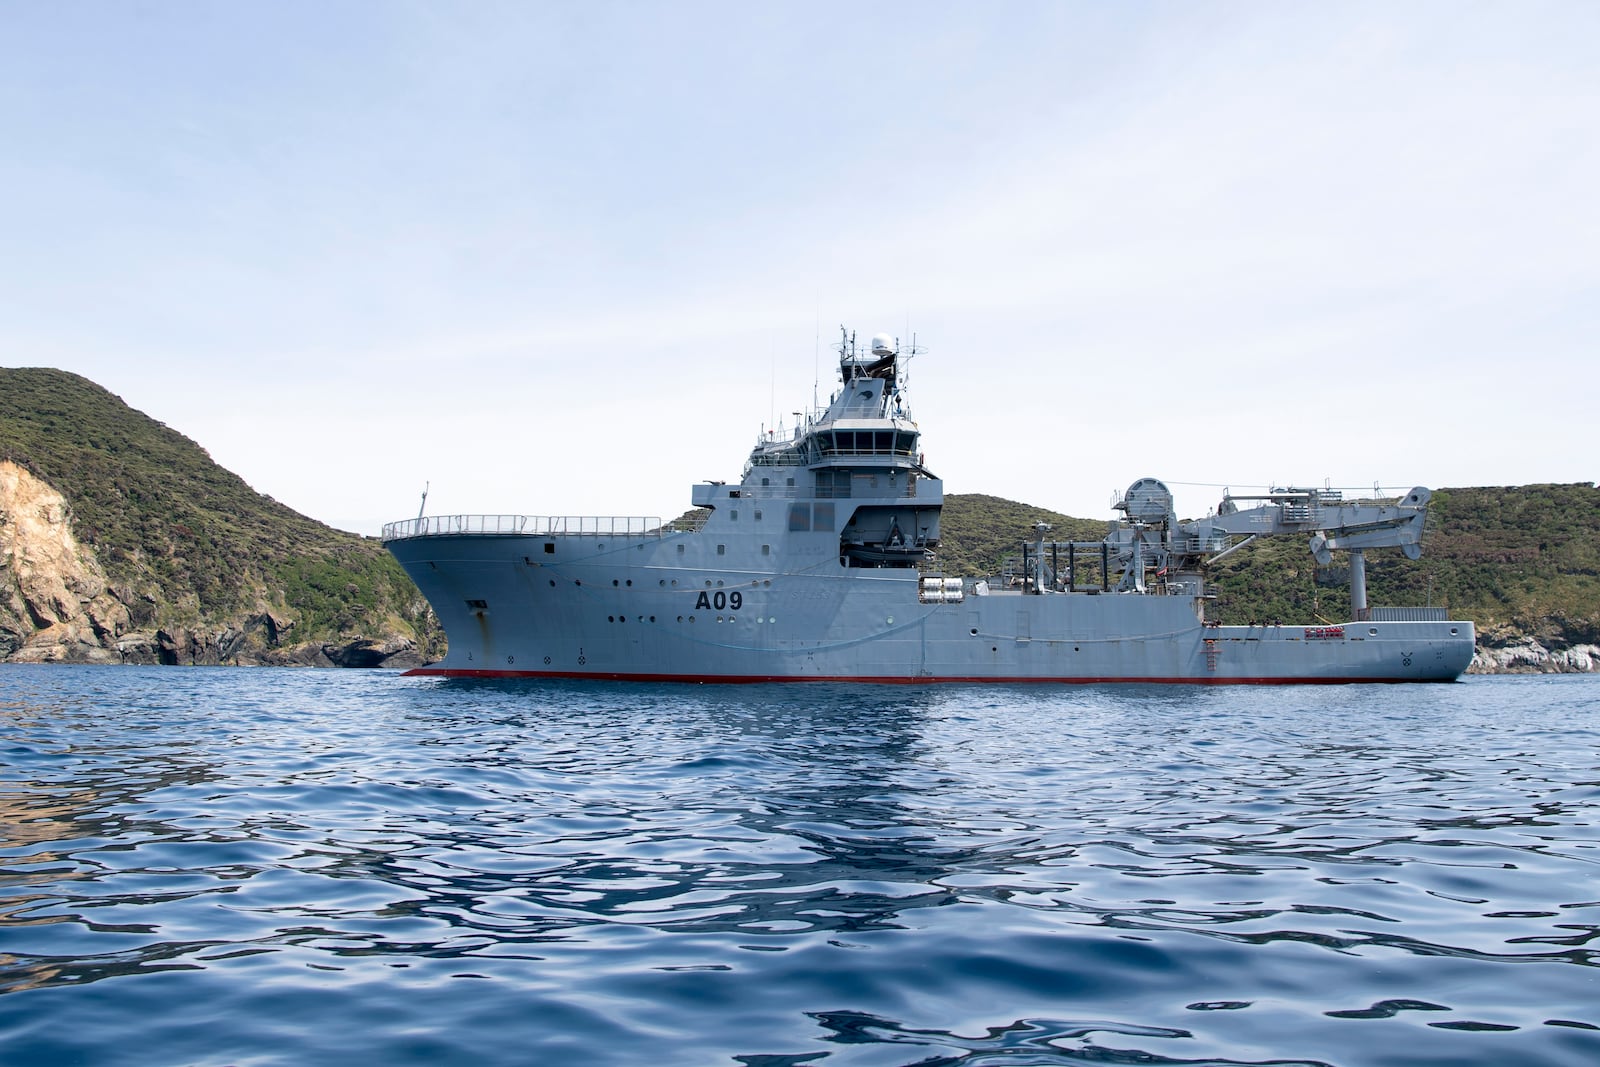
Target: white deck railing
536	526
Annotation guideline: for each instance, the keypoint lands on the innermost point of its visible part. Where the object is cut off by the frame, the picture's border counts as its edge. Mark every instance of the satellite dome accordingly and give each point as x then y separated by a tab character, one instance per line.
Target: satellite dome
1148	500
882	345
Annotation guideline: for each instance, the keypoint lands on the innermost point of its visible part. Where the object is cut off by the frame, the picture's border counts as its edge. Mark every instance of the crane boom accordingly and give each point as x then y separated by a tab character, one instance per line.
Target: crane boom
1331	521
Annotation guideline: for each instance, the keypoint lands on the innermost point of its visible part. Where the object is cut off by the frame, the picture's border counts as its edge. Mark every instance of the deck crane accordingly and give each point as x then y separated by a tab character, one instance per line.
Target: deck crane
1153	542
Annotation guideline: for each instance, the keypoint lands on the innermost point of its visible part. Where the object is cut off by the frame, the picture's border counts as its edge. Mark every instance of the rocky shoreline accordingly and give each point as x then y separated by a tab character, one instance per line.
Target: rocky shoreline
1527	656
259	642
189	649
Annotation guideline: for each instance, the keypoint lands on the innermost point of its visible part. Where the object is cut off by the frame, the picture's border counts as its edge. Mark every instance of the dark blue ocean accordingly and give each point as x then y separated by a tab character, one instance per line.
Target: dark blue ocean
255	866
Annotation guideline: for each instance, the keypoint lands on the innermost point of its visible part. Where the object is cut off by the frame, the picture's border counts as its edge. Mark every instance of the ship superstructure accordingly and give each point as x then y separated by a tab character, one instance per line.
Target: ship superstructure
822	563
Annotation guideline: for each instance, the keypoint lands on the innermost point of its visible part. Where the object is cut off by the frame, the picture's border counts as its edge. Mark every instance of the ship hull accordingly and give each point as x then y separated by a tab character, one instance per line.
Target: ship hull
643	608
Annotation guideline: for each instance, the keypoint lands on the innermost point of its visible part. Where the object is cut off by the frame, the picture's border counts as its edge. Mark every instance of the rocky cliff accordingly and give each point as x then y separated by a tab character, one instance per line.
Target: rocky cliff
122	542
57	605
55	601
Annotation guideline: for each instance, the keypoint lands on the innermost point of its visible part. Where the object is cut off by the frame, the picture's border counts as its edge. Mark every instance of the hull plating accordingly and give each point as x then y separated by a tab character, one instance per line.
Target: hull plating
661	609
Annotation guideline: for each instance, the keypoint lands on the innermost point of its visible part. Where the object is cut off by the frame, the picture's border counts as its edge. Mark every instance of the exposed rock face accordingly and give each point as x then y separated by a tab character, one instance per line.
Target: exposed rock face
368	652
57	606
54	601
1527	656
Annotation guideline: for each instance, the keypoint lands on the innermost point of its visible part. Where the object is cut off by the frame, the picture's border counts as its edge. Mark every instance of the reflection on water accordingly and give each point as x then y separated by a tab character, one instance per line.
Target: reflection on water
327	865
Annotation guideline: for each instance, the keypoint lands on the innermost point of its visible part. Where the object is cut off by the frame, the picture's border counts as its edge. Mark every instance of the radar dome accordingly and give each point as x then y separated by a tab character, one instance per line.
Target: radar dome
1148	500
882	345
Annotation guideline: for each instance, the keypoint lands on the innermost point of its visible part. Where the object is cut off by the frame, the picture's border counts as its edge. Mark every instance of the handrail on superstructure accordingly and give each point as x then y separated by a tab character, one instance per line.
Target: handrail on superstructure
538	526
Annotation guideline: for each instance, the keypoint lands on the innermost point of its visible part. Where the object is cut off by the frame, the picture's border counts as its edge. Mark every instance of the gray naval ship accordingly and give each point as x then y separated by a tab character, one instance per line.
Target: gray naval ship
822	564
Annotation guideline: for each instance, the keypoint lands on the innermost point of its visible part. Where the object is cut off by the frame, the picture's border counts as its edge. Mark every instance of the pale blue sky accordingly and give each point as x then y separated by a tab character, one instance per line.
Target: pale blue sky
568	258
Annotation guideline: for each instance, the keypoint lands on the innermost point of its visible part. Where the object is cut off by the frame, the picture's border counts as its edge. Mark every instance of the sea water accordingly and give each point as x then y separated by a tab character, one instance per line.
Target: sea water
255	866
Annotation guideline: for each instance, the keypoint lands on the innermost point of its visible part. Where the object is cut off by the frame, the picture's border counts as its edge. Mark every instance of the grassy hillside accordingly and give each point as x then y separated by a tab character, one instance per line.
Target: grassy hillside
1525	558
185	542
977	532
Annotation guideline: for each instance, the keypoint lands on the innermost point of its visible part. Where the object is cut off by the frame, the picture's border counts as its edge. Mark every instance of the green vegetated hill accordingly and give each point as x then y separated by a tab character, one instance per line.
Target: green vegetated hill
1517	561
207	568
977	532
1524	559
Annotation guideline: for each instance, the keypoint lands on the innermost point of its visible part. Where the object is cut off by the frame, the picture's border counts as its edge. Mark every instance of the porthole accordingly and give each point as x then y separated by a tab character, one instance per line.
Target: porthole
973	631
1372	631
615	583
1453	631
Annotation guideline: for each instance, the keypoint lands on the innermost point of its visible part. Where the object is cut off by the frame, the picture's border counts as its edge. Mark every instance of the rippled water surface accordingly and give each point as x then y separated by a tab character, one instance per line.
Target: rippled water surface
309	867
